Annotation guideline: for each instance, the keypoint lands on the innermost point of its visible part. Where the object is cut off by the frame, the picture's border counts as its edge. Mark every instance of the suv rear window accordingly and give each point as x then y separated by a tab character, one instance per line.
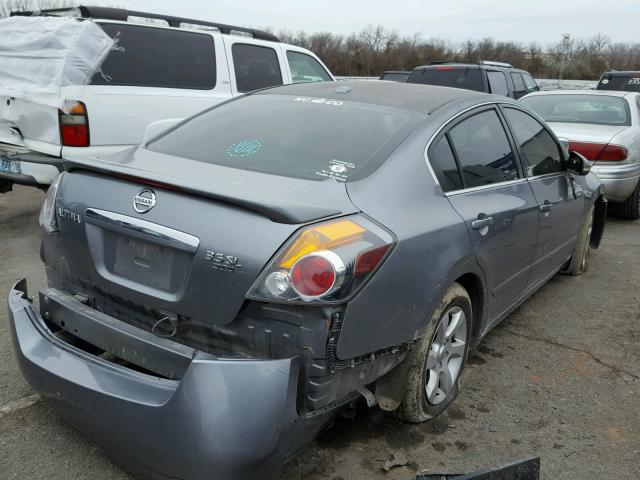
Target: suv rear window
469	78
158	57
301	137
629	82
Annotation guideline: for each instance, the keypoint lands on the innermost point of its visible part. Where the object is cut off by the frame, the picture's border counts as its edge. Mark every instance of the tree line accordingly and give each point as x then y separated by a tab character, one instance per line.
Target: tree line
377	49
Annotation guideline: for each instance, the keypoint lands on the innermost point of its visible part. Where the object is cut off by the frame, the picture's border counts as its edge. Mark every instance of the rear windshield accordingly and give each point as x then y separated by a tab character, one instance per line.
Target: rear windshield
302	137
158	57
469	78
598	109
627	83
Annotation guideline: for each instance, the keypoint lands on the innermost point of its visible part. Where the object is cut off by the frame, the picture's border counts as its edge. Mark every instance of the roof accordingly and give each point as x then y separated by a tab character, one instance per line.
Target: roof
604	93
419	98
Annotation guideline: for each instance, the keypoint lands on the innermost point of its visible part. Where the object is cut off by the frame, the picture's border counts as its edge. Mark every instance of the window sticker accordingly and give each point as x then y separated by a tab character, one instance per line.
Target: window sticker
337	170
322	101
605	81
634	81
244	148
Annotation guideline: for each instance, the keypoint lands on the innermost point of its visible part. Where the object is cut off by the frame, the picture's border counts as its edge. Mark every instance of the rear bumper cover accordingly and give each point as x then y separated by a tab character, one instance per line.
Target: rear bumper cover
223	420
38	170
619	180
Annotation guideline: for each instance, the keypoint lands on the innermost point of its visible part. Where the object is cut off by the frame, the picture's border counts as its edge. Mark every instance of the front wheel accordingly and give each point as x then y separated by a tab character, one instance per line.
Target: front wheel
436	361
579	263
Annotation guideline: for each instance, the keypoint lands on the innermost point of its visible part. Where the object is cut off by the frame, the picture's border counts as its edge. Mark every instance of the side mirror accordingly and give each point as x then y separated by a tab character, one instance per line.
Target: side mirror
578	165
156	128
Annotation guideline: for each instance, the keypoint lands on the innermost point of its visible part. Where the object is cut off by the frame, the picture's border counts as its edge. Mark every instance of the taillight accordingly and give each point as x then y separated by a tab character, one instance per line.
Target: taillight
74	125
326	262
445	69
600	151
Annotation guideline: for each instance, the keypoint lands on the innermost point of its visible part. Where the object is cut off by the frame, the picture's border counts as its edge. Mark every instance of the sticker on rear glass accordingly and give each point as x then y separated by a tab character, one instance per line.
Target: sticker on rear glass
322	101
634	81
244	148
605	81
337	170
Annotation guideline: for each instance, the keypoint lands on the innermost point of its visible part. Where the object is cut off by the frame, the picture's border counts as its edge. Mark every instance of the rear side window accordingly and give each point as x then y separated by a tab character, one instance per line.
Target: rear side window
158	57
540	151
498	83
530	83
469	78
483	150
302	137
519	84
444	165
628	83
304	68
256	67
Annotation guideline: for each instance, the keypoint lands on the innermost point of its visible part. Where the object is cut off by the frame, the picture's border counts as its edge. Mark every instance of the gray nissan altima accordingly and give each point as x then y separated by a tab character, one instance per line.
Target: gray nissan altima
218	294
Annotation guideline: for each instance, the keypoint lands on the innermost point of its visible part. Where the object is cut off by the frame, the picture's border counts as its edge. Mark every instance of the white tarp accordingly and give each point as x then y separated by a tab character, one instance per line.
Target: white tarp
39	55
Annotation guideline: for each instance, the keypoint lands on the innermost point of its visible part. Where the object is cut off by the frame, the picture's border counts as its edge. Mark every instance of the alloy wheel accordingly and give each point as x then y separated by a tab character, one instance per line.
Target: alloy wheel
446	355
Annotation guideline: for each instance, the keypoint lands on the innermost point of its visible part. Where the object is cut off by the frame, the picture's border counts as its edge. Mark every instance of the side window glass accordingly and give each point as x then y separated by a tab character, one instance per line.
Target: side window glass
540	151
530	83
519	84
444	165
498	83
255	67
483	150
305	68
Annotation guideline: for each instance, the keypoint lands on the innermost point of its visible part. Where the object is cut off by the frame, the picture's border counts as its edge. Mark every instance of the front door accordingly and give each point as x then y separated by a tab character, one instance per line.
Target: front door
559	200
497	204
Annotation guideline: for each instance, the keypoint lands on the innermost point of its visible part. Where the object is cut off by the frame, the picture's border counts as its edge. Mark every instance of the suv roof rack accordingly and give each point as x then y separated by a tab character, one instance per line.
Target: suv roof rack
471	62
123	15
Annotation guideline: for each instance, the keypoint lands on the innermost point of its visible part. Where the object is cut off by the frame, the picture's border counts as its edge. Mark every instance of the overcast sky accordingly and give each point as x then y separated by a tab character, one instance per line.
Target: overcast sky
455	20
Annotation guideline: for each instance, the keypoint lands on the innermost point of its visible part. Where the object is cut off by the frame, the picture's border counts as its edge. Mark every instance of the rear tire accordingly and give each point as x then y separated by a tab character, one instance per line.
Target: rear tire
630	209
579	263
436	361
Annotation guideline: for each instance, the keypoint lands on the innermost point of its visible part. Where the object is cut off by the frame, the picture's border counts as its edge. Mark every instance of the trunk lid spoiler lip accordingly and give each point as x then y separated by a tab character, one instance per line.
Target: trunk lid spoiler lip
278	208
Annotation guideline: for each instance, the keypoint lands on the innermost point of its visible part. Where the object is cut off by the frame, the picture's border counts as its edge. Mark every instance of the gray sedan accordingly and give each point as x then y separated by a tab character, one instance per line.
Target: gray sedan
604	126
217	295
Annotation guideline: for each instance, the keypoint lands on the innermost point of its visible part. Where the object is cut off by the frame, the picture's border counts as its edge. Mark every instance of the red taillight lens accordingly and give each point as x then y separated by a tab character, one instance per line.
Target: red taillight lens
600	151
445	69
369	259
613	153
313	275
74	125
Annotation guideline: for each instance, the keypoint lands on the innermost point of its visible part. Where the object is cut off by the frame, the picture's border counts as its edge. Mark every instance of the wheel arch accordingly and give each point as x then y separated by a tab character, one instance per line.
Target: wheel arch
474	286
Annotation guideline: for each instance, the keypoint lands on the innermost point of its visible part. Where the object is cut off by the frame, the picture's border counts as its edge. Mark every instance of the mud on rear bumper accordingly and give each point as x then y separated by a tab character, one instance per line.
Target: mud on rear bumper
224	419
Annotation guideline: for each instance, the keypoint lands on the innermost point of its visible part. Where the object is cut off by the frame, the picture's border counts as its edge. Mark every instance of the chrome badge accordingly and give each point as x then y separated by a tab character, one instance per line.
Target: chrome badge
144	200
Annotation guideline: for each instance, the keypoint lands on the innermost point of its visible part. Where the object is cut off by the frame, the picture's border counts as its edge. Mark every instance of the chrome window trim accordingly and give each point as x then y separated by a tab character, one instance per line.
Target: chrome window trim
445	125
546	175
160	232
489	186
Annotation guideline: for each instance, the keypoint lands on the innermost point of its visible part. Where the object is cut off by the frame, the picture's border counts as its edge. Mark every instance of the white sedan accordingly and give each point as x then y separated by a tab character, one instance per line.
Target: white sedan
604	126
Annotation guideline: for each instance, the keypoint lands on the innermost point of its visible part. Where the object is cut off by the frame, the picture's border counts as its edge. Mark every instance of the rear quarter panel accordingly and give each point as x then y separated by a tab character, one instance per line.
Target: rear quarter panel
433	250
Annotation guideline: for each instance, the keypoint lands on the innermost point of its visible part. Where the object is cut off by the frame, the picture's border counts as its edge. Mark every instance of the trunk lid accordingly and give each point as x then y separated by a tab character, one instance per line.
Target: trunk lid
198	250
584	132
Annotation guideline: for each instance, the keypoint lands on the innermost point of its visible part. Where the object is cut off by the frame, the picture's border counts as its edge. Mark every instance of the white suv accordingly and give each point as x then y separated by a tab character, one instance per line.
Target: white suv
165	69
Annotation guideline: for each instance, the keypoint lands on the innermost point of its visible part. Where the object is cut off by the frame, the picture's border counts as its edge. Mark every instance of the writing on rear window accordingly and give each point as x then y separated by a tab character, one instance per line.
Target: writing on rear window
323	101
337	170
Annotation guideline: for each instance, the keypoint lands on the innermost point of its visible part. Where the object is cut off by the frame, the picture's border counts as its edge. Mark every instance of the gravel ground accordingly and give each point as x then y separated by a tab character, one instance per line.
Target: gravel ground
559	379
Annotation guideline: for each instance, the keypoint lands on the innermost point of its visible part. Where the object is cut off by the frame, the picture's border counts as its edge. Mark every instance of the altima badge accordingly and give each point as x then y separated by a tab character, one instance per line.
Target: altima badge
144	200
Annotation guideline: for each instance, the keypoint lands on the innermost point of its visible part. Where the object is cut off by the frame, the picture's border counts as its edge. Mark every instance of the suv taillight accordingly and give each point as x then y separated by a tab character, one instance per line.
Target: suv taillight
74	125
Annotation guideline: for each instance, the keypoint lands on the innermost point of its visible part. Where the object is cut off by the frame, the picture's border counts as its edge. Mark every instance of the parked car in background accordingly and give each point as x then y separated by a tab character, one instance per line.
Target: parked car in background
627	81
398	224
484	76
395	76
166	68
604	126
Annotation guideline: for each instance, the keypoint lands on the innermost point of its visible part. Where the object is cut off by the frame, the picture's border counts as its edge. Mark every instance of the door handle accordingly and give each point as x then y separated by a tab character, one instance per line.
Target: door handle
482	222
546	207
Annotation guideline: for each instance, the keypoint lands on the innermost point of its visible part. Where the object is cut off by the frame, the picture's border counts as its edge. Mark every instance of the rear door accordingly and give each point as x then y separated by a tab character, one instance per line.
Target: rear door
518	82
496	203
254	64
559	199
156	73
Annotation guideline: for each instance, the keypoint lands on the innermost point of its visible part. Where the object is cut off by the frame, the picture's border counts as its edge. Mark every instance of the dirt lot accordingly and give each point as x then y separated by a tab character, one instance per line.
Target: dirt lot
560	378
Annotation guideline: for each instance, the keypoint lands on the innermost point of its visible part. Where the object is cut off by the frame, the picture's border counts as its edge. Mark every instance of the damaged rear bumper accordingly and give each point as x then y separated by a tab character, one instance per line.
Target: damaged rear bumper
223	419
